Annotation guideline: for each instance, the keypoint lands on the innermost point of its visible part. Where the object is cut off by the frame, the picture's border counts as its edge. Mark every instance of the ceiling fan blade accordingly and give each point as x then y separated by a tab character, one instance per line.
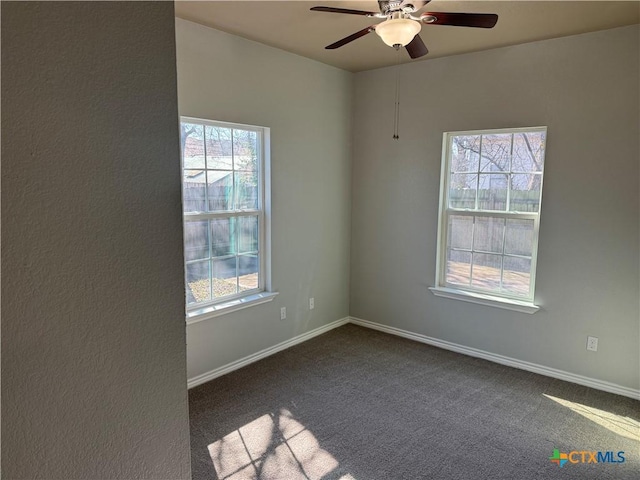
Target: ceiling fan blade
478	20
342	10
416	47
350	38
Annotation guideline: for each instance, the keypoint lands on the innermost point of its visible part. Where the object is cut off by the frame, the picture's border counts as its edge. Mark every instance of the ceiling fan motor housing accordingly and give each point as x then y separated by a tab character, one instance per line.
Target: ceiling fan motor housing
388	7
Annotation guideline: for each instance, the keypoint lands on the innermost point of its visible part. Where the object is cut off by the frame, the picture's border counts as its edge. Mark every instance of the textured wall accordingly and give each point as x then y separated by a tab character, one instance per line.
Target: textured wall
93	340
585	89
307	105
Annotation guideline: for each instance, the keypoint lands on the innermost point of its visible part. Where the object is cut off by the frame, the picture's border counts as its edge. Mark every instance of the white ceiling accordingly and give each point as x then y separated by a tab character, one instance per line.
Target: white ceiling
290	26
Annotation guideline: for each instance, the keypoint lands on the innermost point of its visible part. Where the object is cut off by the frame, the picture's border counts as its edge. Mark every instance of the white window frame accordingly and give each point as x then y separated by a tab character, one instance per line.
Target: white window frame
469	293
261	294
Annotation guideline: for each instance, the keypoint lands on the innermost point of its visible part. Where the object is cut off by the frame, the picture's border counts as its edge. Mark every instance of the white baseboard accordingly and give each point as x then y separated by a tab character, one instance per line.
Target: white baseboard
454	347
511	362
230	367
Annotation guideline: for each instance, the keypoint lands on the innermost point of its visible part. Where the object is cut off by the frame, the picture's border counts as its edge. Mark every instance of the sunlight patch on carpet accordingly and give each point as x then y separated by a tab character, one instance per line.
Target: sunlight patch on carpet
273	446
624	426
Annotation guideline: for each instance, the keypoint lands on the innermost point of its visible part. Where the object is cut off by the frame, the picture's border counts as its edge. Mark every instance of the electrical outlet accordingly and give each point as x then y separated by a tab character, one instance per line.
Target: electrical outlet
592	344
311	304
283	313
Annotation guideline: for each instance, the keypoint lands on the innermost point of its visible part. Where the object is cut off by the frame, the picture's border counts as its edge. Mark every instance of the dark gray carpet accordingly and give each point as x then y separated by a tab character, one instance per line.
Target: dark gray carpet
356	404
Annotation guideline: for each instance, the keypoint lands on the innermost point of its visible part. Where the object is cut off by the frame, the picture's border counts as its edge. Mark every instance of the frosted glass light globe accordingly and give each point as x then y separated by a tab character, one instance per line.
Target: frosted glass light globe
397	31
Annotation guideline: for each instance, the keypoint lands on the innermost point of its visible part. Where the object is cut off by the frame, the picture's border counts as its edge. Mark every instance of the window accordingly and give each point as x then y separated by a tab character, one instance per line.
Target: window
225	199
491	189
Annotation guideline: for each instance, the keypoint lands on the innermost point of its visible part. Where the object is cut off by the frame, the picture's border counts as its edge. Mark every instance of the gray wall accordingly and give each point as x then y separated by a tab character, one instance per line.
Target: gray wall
307	105
93	340
585	89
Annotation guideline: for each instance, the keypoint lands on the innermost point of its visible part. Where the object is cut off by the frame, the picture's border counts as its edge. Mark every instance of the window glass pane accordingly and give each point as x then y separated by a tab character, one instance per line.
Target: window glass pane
198	286
486	271
219	149
462	190
493	192
248	272
222	172
519	237
196	240
496	152
246	190
517	275
220	190
224	277
528	152
525	192
491	174
488	234
193	191
247	234
192	142
460	232
465	153
458	267
223	237
245	150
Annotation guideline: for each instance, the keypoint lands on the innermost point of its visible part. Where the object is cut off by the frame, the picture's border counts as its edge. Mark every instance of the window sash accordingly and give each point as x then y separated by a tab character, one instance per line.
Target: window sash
444	248
445	212
194	217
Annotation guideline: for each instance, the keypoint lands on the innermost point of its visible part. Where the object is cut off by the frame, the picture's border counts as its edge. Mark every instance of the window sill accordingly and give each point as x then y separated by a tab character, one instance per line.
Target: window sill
206	313
489	300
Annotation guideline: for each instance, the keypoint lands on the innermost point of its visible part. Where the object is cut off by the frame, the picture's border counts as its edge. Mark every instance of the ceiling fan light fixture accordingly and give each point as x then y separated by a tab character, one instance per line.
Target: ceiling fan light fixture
397	31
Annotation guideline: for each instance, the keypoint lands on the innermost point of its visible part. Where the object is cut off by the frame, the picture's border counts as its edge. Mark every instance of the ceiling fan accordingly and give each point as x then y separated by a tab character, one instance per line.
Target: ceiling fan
401	27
